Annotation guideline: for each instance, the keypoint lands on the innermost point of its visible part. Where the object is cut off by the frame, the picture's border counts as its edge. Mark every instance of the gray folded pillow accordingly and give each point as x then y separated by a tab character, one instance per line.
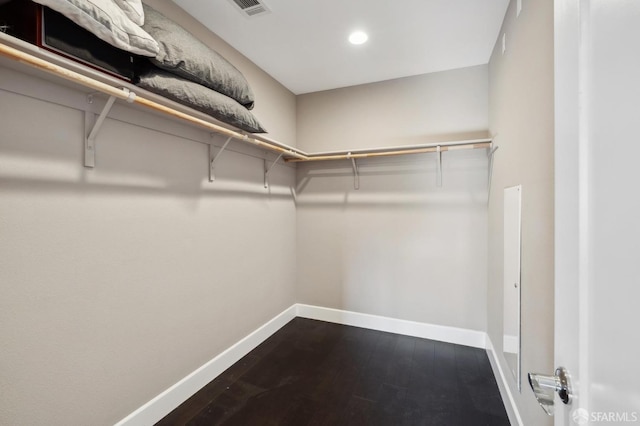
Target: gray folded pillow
184	55
200	98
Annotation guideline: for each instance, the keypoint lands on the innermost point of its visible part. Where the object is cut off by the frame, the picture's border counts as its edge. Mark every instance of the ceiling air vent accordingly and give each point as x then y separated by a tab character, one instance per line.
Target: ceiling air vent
251	8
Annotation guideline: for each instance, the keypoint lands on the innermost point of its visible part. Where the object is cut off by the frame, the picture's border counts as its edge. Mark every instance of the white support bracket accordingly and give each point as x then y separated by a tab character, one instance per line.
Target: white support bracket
439	167
90	140
214	159
490	153
356	176
267	170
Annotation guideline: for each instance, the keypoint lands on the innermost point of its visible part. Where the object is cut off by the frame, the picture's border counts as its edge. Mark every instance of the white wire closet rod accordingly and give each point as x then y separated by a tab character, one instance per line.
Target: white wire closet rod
289	154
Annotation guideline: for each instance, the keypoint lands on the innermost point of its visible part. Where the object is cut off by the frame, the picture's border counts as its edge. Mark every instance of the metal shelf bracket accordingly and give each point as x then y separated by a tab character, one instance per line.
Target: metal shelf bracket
267	170
90	140
213	159
439	167
356	175
490	152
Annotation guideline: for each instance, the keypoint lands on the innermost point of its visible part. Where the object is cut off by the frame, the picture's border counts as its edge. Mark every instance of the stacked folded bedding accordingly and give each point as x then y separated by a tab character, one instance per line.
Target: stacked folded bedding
199	97
173	64
189	72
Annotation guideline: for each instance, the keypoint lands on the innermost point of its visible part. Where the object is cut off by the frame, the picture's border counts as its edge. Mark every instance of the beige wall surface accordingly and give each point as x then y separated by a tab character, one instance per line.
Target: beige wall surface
435	107
119	281
521	116
400	246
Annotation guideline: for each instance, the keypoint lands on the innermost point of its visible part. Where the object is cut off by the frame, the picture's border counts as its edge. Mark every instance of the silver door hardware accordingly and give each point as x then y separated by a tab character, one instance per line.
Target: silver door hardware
544	387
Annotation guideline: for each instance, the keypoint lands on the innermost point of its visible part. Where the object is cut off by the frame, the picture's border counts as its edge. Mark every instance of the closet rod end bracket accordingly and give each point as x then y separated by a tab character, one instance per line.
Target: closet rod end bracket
131	96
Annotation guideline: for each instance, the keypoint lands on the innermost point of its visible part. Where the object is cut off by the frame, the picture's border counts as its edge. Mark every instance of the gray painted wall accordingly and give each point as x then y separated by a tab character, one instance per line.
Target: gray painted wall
521	115
400	246
119	281
433	107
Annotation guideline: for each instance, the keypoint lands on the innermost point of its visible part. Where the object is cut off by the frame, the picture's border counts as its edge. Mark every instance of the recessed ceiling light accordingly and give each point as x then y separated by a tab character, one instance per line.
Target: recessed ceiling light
358	37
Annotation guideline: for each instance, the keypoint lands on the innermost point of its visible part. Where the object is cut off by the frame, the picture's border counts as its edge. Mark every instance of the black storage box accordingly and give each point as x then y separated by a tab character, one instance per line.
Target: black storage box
52	31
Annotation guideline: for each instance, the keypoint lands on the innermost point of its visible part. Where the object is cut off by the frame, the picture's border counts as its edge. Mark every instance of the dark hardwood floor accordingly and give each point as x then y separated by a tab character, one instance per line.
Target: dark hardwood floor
317	373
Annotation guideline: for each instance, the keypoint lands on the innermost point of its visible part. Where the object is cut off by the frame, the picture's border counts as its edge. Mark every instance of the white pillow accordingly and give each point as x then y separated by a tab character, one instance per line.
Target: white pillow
133	9
108	22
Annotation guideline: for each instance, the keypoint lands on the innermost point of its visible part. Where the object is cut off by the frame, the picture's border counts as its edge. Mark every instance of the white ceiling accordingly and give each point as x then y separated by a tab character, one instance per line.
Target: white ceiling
303	43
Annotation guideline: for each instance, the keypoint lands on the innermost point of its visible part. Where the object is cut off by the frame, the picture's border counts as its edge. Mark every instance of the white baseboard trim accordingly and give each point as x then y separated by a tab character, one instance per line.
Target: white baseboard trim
441	333
164	403
505	391
167	401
